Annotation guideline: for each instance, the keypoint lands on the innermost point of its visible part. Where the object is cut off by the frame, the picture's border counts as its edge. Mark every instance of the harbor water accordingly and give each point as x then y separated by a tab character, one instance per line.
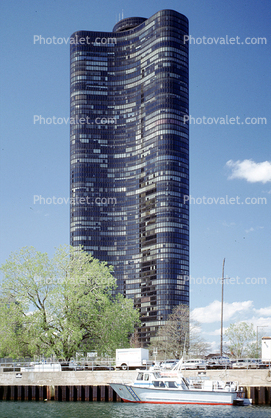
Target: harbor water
9	409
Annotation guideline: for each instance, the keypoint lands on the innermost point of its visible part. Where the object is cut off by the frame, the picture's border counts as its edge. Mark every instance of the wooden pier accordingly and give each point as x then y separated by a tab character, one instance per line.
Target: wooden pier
103	393
260	395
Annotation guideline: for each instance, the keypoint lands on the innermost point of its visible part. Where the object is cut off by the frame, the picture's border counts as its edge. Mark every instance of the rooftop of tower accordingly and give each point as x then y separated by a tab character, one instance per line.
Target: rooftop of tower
128	23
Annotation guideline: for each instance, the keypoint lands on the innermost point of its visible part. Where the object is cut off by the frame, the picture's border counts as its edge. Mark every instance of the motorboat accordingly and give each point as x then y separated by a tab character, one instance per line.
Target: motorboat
171	387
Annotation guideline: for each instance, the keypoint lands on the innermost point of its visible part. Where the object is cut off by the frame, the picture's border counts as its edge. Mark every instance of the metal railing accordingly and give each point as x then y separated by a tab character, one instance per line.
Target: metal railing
98	363
54	364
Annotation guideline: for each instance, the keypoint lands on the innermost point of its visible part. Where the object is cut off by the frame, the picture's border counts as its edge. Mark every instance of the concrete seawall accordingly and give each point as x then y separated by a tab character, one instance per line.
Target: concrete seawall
258	377
93	386
67	378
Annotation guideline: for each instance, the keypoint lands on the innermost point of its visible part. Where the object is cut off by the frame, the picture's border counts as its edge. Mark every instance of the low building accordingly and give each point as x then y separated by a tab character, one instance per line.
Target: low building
266	348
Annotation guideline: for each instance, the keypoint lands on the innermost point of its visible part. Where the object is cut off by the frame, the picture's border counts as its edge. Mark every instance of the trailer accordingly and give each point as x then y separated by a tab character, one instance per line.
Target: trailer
132	358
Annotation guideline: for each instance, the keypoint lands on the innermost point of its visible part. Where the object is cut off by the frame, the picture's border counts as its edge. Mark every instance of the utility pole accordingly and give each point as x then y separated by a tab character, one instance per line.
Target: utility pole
221	337
155	352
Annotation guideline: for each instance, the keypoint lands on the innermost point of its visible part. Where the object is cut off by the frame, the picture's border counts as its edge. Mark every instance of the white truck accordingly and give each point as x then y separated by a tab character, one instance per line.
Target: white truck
132	358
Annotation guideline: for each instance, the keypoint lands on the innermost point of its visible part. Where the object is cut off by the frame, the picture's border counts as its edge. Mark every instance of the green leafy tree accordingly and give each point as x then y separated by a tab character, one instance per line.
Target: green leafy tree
241	339
253	350
62	305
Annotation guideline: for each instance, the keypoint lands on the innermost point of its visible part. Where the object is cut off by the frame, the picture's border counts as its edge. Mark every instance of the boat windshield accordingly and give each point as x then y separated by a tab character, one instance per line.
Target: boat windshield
172	384
166	384
143	376
158	384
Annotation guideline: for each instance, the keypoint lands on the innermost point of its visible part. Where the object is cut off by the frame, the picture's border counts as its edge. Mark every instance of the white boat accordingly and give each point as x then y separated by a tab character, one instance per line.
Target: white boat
171	387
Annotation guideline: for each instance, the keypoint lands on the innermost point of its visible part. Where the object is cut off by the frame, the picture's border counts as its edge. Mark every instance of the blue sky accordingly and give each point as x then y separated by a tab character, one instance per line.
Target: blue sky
228	162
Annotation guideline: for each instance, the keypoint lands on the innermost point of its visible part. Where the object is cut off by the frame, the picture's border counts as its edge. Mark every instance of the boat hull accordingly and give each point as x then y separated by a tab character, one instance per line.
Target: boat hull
132	393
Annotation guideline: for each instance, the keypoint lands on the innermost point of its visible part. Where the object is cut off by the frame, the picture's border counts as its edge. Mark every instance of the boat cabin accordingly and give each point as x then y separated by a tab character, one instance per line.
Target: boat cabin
175	380
157	379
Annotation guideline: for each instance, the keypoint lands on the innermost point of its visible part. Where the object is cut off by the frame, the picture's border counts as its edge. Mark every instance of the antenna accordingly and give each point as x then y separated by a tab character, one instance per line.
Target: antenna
221	336
122	14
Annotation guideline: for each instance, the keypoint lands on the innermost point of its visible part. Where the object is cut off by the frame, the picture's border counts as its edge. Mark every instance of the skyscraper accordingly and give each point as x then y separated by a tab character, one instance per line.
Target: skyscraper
130	158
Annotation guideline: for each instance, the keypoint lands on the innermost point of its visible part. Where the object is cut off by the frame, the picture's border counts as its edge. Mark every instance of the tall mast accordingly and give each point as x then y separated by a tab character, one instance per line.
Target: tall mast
221	337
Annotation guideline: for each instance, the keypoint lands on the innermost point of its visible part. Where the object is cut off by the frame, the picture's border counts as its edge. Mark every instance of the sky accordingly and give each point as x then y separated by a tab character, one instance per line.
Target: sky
230	148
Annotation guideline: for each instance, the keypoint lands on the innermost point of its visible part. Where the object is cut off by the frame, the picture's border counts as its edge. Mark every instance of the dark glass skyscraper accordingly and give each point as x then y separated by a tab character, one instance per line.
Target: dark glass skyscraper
130	158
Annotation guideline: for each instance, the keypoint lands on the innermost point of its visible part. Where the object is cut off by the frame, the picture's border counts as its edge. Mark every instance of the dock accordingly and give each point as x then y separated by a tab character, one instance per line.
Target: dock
88	386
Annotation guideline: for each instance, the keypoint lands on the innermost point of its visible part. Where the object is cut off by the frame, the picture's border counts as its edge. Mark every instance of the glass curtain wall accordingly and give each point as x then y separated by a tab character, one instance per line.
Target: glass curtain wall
130	158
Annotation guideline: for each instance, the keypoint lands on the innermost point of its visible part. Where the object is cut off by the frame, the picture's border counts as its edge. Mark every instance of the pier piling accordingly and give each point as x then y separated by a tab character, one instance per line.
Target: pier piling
260	395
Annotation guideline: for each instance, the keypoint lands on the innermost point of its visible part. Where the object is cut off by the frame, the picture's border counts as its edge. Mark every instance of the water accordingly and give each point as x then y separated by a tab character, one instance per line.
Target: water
122	410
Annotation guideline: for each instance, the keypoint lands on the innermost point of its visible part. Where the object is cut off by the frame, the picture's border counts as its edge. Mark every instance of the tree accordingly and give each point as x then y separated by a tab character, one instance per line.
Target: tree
172	338
62	305
134	340
253	350
241	339
179	336
198	347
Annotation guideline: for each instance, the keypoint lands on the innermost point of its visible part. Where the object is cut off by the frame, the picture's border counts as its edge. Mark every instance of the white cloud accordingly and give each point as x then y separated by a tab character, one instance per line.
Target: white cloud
228	224
195	329
263	311
212	312
253	229
263	324
214	346
250	171
236	312
216	332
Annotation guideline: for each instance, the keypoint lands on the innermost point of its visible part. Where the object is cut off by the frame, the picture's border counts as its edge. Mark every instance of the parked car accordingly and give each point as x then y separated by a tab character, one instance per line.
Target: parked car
265	364
168	364
219	362
75	366
99	367
260	364
246	363
194	364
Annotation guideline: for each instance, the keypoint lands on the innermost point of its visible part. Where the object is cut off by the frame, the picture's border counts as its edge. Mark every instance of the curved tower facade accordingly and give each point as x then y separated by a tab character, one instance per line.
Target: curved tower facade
130	158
